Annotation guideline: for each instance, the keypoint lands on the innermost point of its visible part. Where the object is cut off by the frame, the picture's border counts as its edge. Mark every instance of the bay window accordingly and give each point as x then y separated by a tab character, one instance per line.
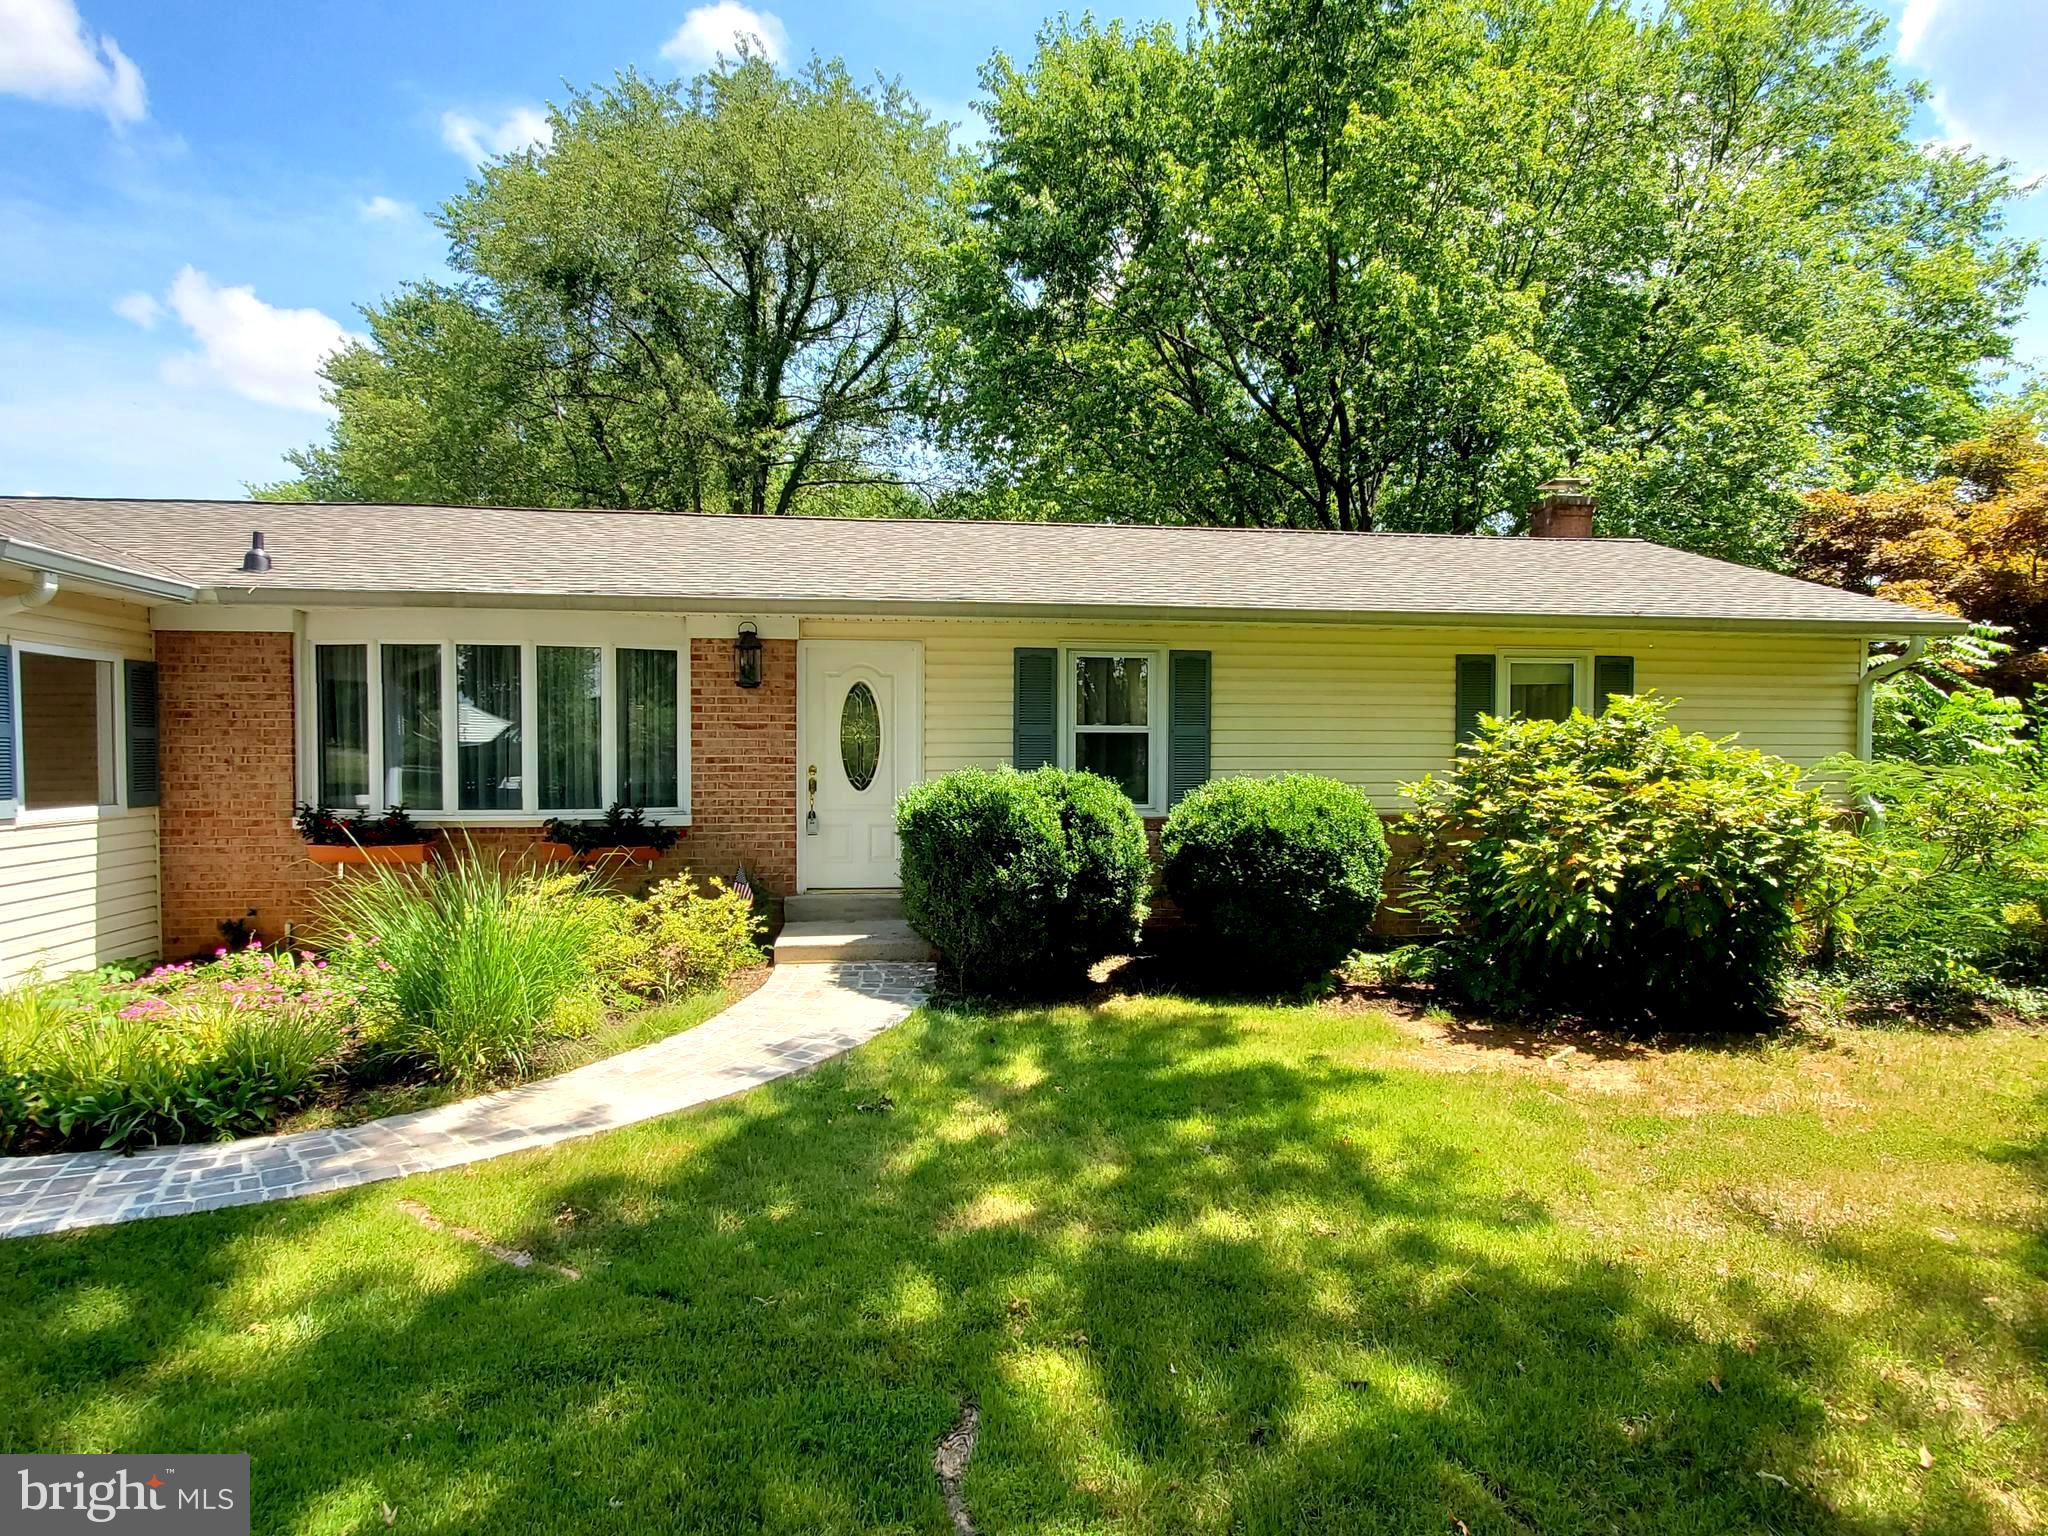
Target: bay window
485	727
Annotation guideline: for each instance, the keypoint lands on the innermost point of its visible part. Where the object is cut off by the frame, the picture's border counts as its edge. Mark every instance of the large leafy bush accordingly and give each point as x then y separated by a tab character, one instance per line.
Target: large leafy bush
1959	910
1620	868
1278	877
680	939
1022	880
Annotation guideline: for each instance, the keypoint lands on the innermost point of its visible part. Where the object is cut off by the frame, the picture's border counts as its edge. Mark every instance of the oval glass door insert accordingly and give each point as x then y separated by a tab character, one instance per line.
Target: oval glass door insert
860	735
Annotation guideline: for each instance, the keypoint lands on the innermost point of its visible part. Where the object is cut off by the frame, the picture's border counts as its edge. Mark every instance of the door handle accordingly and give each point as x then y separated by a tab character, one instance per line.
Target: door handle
811	819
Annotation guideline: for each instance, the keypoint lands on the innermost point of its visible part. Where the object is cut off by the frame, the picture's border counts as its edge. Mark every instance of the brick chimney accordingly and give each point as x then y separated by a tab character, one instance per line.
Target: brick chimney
1563	509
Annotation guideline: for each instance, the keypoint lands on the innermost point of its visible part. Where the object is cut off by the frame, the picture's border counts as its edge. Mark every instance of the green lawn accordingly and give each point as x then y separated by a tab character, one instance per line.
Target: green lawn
1204	1268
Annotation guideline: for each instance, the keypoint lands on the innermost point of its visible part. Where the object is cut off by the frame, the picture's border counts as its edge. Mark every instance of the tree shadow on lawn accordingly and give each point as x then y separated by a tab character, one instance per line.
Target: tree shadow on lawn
1191	1288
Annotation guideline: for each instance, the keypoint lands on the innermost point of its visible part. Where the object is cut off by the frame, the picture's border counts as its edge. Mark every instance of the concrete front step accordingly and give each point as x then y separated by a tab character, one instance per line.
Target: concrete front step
842	906
832	942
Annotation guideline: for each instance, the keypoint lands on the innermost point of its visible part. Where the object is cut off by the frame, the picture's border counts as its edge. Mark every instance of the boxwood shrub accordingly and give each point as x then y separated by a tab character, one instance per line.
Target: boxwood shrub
1278	877
1022	880
1619	868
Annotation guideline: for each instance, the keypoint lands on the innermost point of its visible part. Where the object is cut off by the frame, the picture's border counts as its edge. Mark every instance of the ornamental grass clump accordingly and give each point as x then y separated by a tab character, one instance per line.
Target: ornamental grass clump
471	968
1021	881
1278	878
1621	869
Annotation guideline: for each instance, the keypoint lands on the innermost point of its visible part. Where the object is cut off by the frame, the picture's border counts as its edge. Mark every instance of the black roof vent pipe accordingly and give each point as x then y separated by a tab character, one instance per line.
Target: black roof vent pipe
258	558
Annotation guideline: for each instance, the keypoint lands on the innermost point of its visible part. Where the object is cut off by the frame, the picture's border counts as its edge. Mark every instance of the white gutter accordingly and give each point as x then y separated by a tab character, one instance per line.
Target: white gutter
1872	676
51	562
36	596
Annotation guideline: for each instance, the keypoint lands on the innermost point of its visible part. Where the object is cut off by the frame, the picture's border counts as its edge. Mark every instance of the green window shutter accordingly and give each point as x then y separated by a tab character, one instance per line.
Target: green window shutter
144	768
1187	722
10	771
1475	693
1612	675
1034	728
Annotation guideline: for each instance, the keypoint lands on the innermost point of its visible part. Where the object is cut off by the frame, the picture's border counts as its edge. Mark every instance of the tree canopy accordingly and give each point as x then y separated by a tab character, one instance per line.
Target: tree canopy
699	297
1389	264
1971	540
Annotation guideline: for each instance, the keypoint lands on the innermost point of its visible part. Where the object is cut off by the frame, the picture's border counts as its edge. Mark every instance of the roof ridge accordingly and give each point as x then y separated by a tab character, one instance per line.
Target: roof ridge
815	517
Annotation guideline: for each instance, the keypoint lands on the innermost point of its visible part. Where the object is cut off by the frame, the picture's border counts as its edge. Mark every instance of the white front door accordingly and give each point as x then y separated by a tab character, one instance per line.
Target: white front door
860	744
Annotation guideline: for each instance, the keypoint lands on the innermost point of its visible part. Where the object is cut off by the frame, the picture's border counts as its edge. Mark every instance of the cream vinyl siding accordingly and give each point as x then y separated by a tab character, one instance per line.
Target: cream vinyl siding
78	891
1374	705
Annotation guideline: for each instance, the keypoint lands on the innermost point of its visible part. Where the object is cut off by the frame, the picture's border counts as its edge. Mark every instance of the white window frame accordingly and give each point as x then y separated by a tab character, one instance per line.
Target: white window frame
1155	714
1581	663
113	719
605	633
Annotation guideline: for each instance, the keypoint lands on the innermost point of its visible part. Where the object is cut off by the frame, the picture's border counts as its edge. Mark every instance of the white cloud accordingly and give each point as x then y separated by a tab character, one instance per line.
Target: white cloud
79	418
477	141
712	30
46	54
1983	60
139	309
257	350
1913	24
385	209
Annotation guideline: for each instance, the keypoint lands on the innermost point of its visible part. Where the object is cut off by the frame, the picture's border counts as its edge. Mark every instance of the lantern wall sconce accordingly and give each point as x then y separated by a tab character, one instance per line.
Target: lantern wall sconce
746	657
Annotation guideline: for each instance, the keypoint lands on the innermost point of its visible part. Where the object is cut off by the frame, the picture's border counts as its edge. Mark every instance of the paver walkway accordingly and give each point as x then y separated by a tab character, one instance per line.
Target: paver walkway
803	1015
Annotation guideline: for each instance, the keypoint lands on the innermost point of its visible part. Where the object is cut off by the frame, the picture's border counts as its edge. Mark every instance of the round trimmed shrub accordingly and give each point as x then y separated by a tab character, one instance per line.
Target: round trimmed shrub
1109	869
1278	877
1022	880
1619	868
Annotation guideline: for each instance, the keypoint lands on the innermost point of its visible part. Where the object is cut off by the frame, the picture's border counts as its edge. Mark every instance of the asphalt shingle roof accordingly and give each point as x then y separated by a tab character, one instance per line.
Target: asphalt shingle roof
334	551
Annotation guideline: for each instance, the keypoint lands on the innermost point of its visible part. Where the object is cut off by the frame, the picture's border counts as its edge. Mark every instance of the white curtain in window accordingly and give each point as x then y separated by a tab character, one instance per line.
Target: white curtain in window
647	728
570	692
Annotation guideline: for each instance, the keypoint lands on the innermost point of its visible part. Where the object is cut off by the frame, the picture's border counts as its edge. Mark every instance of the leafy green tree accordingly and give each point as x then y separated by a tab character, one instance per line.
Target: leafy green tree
1971	540
1388	265
695	297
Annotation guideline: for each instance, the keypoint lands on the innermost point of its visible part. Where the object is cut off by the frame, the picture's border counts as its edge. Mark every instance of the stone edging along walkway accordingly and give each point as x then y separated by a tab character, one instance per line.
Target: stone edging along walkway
803	1015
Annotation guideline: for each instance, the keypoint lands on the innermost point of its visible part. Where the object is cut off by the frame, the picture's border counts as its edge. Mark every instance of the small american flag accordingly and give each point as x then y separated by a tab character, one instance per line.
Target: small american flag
741	885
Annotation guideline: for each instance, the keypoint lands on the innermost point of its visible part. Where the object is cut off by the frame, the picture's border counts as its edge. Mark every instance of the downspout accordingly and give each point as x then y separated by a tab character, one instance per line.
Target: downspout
36	596
1872	676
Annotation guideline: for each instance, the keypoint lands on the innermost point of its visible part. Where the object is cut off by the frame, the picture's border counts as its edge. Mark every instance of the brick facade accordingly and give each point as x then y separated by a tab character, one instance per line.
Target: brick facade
230	853
743	765
229	778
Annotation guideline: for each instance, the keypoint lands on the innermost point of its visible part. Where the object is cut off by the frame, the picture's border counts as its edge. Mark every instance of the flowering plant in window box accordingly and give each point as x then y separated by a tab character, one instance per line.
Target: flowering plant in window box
392	838
623	832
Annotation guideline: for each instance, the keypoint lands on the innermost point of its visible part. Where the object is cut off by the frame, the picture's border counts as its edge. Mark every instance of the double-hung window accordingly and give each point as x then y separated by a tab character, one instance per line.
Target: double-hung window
1111	712
491	727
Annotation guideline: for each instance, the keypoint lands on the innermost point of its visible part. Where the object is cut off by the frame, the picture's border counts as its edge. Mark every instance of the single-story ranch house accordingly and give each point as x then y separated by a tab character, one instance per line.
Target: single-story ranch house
167	692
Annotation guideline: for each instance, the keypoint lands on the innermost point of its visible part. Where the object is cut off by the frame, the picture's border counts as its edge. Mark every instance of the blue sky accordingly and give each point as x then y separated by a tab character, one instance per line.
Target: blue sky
194	198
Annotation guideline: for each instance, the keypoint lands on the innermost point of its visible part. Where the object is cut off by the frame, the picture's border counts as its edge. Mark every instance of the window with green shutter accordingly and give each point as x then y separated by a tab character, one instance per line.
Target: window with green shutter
1612	675
10	758
1187	723
138	686
1034	709
1474	695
